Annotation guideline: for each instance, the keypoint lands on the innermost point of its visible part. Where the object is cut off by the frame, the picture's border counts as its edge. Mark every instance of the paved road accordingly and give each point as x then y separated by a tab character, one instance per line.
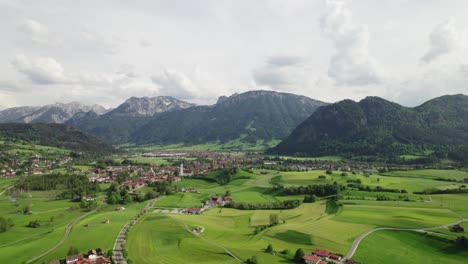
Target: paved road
67	233
358	240
211	242
120	240
1	193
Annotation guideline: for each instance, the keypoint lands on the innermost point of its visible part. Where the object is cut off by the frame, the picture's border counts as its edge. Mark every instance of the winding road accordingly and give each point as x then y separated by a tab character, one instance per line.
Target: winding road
358	240
65	236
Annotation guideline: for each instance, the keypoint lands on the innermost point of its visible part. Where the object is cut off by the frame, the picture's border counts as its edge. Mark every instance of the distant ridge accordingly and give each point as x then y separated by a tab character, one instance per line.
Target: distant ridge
55	135
375	126
248	117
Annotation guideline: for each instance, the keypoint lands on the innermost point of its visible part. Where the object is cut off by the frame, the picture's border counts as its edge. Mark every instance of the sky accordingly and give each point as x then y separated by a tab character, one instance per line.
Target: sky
104	52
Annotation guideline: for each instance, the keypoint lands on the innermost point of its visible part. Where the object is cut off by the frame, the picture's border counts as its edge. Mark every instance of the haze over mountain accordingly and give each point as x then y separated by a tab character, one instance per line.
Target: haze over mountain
375	126
54	113
251	116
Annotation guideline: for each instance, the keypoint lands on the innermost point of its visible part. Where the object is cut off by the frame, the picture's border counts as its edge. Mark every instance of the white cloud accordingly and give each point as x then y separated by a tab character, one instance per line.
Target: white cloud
176	84
286	73
36	31
43	70
352	64
444	39
99	42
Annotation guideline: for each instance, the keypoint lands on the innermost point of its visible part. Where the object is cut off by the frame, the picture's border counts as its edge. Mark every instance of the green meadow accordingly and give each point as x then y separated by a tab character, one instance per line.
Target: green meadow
164	238
409	247
308	226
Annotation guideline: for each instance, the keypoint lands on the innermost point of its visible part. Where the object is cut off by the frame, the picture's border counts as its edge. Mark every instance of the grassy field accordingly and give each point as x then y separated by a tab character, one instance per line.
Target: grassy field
21	243
408	248
430	174
161	238
92	231
169	240
233	145
306	227
392	216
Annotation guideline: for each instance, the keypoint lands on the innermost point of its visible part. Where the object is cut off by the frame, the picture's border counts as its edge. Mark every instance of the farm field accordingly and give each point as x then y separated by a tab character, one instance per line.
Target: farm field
163	238
21	243
93	232
308	226
408	248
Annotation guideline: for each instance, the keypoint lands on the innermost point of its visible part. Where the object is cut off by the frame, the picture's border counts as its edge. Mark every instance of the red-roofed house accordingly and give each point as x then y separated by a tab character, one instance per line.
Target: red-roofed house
310	259
334	257
321	253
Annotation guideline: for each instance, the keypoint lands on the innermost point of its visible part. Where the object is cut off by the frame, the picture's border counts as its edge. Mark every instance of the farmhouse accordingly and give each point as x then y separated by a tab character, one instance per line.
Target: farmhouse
185	172
324	254
311	259
218	200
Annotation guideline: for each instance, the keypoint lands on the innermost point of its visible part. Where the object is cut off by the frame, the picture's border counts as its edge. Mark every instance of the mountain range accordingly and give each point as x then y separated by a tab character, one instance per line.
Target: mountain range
54	113
249	117
374	126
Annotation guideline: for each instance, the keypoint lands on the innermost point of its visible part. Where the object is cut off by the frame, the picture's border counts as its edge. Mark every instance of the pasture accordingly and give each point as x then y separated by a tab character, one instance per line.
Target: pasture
408	248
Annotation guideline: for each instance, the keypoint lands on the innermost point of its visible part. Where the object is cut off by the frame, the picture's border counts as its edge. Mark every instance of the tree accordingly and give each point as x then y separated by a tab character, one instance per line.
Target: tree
228	193
298	257
252	260
73	251
5	224
110	253
274	219
310	199
112	199
269	249
127	198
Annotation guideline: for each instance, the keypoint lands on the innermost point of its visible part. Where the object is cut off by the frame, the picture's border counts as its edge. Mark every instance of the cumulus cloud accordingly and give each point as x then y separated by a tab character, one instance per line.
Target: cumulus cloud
444	39
43	70
352	64
281	73
176	84
36	31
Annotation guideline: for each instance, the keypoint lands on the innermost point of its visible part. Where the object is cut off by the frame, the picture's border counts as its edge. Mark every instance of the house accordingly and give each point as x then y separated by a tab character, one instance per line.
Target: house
73	259
321	253
334	257
311	259
218	200
185	172
88	198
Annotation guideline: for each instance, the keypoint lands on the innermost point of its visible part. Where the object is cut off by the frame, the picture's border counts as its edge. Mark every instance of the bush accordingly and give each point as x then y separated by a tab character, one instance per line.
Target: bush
34	224
269	249
298	257
73	251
